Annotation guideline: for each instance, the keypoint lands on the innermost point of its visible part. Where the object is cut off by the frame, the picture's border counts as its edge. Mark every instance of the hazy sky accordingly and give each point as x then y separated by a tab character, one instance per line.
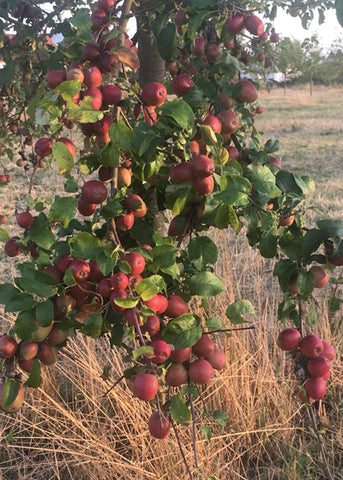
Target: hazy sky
291	27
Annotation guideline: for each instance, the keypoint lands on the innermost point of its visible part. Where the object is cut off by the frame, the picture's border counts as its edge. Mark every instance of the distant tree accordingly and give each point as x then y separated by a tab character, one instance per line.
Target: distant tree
330	69
311	59
289	59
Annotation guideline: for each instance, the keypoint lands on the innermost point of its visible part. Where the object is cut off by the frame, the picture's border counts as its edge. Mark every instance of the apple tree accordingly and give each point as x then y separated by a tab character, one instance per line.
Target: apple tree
169	153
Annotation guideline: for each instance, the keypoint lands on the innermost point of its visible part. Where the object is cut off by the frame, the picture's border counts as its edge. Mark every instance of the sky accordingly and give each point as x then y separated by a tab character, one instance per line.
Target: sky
328	32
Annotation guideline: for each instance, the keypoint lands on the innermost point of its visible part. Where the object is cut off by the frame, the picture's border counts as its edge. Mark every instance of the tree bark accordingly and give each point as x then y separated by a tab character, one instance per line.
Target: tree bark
152	66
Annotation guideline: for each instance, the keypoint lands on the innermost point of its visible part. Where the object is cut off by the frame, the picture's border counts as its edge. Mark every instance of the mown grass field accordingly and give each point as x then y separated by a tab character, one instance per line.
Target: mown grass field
69	429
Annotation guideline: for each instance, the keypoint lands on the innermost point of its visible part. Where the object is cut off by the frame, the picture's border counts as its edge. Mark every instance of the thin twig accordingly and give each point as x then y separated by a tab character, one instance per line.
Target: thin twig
114	385
251	327
320	442
181	449
194	436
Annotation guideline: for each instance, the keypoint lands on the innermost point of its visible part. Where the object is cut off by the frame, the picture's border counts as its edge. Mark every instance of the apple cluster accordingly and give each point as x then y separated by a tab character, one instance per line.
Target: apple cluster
315	354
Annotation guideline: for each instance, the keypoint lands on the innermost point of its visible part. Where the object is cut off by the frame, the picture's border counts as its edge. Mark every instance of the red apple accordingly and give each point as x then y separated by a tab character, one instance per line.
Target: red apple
217	360
286	220
152	325
24	219
212	51
94	191
161	351
145	386
63	262
204	347
275	161
12	247
75	74
200	371
289	339
248	94
54	78
105	288
229	121
328	351
93	77
234	23
181	354
176	375
119	281
99	18
198	46
183	172
203	166
213	122
80	269
204	186
85	208
106	4
176	306
233	152
96	94
311	346
91	52
117	294
154	94
136	262
319	366
181	84
8	346
159	426
135	204
254	25
315	387
43	147
111	94
321	276
274	37
47	353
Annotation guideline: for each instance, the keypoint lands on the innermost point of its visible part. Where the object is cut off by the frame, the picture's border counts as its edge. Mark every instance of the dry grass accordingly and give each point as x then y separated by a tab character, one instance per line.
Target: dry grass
69	430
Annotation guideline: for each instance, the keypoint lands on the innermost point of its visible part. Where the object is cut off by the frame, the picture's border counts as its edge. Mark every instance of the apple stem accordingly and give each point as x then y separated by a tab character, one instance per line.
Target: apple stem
320	443
301	328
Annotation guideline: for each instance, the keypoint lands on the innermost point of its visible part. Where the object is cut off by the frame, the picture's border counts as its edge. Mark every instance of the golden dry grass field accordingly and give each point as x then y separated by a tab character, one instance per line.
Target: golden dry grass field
69	430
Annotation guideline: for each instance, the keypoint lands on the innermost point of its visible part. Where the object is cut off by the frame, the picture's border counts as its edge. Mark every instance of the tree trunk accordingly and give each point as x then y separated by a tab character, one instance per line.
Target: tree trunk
151	69
284	85
311	84
152	66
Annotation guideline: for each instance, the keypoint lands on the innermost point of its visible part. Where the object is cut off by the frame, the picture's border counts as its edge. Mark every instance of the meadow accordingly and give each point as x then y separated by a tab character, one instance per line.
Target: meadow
74	428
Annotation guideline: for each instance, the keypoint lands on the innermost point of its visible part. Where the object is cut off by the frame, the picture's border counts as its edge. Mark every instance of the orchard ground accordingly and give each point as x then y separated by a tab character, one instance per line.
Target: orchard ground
69	429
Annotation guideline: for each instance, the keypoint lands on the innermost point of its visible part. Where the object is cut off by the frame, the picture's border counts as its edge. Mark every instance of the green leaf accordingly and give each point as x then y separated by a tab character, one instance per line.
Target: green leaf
178	410
141	351
225	216
333	227
220	417
106	260
86	246
110	155
206	431
7	72
214	323
63	157
164	256
10	392
286	270
312	240
63	209
268	246
25	326
20	302
44	313
126	302
202	250
272	145
81	20
263	180
121	134
148	287
183	331
3	235
236	310
177	200
38	283
180	112
166	42
305	287
35	378
93	325
7	291
334	304
40	232
288	310
68	89
205	284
